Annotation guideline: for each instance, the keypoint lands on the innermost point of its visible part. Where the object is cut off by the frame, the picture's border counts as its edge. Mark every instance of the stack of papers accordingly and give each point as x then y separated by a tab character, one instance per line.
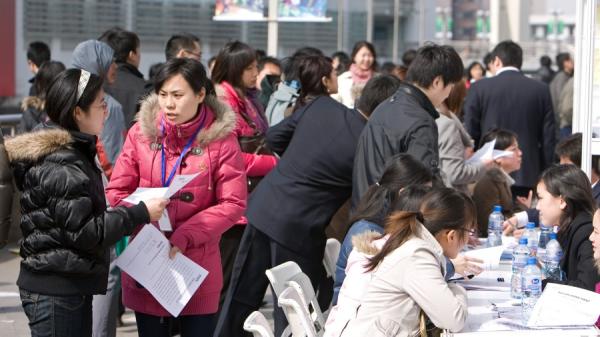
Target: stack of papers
487	152
171	282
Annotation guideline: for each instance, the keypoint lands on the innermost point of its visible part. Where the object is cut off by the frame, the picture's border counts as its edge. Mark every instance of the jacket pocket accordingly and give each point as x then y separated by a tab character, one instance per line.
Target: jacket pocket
383	327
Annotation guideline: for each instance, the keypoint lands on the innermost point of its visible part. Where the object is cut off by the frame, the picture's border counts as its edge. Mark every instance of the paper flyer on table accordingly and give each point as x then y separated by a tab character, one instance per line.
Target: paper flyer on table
485	152
490	256
563	305
171	282
147	193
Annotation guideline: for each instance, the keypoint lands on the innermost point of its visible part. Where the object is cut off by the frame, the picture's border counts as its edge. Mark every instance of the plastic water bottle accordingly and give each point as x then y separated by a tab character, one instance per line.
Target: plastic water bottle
544	238
532	238
495	227
552	259
532	287
520	256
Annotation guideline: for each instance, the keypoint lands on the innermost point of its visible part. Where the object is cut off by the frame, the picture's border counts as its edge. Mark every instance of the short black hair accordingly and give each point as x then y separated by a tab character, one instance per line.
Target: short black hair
191	70
178	42
154	69
38	52
487	59
504	138
61	98
408	56
387	68
545	61
267	59
432	61
377	90
561	58
260	54
44	77
510	53
570	147
231	61
343	62
122	42
290	64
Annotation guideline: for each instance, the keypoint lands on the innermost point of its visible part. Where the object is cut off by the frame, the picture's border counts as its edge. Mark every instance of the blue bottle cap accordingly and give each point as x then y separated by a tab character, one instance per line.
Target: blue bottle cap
530	225
531	261
523	241
552	236
497	208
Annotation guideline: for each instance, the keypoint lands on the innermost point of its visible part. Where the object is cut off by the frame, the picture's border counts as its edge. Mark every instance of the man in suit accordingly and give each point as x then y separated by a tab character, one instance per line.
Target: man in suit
512	101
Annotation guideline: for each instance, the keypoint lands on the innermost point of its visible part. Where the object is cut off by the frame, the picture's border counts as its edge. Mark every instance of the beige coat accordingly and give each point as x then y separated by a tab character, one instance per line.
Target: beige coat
348	91
409	279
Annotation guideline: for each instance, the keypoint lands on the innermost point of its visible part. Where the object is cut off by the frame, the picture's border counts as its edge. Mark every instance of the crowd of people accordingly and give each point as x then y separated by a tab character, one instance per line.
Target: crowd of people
289	152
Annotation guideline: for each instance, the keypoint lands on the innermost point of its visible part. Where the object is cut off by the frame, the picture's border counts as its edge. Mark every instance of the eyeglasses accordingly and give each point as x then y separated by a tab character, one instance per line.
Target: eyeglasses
102	105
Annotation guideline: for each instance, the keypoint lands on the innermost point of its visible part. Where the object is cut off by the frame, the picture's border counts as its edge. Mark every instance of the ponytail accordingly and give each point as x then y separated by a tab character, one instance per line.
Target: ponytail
400	226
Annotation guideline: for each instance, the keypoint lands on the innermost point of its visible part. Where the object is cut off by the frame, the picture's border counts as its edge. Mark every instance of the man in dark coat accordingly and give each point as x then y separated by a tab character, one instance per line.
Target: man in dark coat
514	102
128	87
405	123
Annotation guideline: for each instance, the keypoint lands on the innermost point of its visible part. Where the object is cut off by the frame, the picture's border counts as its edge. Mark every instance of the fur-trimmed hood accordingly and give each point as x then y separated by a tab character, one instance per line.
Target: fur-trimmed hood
32	146
223	124
363	242
32	102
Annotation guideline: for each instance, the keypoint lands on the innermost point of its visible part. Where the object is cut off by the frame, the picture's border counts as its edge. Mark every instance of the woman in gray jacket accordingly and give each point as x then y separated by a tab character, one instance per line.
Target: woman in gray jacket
408	272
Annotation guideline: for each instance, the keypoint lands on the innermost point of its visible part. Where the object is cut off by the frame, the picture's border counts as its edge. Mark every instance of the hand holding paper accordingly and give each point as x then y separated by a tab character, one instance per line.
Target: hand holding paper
146	194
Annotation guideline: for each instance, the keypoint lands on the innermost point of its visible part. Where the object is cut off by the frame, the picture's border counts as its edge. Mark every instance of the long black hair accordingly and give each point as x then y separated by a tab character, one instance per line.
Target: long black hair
401	171
311	70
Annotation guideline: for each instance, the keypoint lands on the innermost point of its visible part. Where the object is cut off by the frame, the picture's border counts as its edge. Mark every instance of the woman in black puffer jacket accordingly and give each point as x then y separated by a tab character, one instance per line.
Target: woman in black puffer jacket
66	227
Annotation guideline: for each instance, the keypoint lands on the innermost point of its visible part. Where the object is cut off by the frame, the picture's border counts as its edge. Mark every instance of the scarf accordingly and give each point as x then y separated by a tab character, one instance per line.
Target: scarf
360	76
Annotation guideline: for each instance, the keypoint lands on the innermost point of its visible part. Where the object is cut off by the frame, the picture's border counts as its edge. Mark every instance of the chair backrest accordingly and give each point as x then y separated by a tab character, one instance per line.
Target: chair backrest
332	252
305	288
257	324
280	274
296	312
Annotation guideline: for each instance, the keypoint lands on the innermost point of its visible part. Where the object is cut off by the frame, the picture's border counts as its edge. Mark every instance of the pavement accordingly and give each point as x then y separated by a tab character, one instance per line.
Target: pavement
13	322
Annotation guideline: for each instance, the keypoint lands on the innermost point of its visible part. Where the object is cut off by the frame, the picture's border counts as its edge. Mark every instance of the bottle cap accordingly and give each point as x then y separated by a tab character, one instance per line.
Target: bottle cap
497	208
530	225
523	241
531	261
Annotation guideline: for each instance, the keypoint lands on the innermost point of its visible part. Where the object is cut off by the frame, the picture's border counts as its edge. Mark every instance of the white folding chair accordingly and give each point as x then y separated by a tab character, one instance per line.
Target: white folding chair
257	324
280	277
296	312
332	252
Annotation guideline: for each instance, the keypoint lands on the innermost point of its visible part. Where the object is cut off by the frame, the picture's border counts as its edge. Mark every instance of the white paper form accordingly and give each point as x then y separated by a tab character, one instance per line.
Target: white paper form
147	193
485	152
490	256
490	280
500	153
171	282
563	305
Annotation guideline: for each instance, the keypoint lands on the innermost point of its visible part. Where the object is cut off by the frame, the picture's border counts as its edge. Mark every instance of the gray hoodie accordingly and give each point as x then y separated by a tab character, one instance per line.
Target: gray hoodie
96	57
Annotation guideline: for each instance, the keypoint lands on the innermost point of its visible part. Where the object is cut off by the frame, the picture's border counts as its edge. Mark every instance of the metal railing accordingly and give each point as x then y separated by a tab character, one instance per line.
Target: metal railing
10	122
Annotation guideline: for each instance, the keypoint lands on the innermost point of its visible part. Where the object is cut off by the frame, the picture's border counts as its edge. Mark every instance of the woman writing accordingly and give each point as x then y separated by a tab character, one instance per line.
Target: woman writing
183	129
66	227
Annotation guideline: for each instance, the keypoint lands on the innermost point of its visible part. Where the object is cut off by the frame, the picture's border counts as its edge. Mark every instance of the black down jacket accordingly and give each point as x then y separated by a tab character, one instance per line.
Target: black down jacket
66	228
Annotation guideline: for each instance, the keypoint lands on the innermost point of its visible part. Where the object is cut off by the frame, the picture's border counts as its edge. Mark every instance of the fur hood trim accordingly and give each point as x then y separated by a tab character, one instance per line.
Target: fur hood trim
32	102
223	125
32	146
363	242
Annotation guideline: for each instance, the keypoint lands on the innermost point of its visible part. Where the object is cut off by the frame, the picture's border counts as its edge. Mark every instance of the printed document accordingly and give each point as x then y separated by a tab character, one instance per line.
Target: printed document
147	193
490	256
563	305
485	152
171	282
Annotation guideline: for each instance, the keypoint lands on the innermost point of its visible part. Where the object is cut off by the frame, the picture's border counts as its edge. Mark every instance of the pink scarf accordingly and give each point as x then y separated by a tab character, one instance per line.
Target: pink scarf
360	76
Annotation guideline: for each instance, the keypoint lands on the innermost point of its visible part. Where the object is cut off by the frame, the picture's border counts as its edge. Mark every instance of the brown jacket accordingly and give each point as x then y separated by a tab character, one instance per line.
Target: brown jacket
492	189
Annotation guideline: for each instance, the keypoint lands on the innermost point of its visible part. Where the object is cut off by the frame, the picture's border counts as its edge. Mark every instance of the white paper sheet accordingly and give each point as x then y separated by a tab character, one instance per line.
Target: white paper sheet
171	282
500	153
485	152
490	256
562	305
147	193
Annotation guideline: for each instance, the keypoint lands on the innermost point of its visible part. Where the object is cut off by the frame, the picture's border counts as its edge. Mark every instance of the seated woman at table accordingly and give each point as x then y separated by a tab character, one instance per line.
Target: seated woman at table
595	239
565	200
408	272
494	187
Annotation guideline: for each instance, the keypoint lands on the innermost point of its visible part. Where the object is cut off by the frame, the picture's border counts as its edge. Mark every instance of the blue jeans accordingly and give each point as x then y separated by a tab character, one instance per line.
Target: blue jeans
191	326
64	316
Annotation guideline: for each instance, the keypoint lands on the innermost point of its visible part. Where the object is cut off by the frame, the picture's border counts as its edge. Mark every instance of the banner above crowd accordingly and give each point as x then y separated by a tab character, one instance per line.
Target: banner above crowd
287	10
